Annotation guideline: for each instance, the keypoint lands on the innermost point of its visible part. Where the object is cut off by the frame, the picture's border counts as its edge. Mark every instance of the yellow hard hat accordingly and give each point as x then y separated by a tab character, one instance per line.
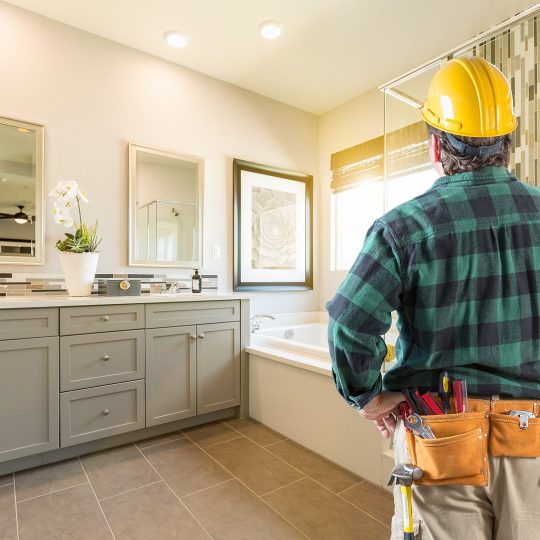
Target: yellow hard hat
470	97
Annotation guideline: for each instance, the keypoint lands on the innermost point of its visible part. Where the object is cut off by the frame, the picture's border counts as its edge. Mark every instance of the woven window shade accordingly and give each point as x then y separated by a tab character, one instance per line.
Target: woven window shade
407	152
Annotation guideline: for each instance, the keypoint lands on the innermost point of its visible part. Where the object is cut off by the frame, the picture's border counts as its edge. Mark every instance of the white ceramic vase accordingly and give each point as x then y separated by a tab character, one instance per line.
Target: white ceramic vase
79	271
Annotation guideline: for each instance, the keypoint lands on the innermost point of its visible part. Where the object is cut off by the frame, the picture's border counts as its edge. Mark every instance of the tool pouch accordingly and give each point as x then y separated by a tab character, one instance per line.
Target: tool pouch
458	455
506	437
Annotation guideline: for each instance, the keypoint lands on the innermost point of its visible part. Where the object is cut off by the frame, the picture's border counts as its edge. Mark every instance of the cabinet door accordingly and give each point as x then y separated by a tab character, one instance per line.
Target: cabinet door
218	366
170	374
28	397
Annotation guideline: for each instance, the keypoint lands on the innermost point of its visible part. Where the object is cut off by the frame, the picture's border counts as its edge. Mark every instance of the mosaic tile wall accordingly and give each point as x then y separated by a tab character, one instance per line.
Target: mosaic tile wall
516	53
20	284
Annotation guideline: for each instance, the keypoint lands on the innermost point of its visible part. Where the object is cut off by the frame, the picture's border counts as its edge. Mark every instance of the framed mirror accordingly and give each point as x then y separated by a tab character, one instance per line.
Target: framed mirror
21	193
165	208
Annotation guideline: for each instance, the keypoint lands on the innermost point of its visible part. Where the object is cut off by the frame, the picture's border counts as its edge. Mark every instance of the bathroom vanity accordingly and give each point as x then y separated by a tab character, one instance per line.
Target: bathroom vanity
82	374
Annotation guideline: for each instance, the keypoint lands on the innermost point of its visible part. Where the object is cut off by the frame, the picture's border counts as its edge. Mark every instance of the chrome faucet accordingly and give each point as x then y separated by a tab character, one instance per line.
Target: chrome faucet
255	321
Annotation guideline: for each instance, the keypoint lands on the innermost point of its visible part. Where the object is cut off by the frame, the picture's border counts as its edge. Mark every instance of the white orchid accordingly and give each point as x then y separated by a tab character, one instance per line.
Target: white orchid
68	196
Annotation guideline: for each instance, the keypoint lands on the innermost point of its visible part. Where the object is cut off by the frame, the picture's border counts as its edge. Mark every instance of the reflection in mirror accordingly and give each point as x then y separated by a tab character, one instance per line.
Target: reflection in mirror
21	192
165	208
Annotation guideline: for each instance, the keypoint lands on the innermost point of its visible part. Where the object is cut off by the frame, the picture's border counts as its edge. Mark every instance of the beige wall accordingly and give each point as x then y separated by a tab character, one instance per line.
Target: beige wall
93	96
356	121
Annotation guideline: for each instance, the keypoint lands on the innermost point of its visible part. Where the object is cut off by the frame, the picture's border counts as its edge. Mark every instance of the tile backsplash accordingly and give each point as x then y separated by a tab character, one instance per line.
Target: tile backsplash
26	284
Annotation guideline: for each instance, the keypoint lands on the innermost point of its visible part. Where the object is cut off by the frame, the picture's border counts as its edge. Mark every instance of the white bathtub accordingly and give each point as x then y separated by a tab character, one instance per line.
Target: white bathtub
292	391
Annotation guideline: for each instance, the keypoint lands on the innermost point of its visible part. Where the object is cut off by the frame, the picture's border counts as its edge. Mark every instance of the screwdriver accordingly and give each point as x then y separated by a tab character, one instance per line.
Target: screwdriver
444	390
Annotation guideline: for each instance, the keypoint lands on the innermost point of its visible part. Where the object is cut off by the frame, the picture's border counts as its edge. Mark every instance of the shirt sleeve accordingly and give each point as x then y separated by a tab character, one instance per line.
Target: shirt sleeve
360	313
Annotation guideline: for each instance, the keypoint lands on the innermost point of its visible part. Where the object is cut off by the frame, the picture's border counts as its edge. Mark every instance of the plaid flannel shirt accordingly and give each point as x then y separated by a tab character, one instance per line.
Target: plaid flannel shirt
461	266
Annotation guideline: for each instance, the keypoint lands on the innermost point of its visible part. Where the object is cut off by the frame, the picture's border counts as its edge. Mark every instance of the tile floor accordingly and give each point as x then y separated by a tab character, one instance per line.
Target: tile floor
228	480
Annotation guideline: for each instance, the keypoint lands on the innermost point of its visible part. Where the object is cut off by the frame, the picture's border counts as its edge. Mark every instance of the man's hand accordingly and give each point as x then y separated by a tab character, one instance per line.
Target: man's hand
381	410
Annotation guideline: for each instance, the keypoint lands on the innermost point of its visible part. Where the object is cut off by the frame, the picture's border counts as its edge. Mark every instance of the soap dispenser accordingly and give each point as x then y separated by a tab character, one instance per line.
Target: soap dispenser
196	282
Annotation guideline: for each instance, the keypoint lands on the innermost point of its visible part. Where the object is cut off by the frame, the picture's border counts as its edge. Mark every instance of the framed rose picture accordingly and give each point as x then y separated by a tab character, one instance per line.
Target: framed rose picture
273	228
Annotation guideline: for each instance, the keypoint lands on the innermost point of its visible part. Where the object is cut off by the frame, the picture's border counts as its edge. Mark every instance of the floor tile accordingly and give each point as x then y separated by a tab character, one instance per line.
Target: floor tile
70	514
230	512
375	500
185	467
327	473
8	520
255	431
117	470
43	480
5	480
211	434
260	471
168	437
321	515
151	512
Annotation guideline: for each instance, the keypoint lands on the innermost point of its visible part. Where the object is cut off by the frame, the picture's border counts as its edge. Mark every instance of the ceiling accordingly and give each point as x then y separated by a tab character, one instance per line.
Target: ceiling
330	51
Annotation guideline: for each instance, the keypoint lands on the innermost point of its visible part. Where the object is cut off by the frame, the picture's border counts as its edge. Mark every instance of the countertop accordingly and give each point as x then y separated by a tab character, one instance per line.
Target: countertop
13	302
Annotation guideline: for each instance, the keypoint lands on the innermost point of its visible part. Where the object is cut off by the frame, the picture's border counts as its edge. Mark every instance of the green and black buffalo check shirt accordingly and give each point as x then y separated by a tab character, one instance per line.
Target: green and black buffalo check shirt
461	266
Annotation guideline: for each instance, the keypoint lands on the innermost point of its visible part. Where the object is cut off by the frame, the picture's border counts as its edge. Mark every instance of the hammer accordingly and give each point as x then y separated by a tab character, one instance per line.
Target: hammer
404	474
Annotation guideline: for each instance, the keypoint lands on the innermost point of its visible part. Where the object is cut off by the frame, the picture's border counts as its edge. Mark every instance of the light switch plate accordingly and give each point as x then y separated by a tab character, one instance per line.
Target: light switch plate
216	252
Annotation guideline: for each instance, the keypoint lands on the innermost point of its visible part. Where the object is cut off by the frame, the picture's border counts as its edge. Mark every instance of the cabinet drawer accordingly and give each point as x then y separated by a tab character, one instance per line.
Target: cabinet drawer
95	413
27	323
90	319
97	359
186	313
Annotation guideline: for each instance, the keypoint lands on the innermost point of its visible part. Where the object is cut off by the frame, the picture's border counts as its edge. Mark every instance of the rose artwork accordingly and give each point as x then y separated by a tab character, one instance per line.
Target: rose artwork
274	229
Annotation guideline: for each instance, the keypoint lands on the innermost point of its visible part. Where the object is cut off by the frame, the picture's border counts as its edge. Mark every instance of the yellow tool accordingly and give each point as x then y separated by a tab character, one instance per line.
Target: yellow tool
404	474
470	97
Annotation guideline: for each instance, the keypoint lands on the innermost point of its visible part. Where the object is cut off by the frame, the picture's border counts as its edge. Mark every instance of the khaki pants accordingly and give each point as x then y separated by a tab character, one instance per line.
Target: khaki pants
508	508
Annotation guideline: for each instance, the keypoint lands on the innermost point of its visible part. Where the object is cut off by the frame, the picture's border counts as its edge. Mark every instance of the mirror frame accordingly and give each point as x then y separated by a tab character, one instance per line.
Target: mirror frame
39	257
133	150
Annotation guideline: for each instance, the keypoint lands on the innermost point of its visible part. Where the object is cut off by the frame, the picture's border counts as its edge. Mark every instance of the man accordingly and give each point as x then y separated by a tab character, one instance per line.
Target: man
461	266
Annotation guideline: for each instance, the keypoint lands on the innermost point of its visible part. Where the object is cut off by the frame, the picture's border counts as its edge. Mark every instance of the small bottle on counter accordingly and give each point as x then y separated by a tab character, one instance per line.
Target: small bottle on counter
196	282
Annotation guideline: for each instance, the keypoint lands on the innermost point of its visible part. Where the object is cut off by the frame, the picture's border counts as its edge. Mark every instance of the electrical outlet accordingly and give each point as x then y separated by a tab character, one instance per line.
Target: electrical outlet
216	252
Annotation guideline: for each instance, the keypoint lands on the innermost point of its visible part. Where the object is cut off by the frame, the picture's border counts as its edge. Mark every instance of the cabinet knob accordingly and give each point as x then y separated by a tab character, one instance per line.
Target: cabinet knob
124	285
201	336
106	358
106	412
193	336
105	318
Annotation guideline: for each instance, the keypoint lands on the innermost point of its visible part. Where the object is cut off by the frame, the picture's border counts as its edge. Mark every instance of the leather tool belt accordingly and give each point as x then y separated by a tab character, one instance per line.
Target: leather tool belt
459	453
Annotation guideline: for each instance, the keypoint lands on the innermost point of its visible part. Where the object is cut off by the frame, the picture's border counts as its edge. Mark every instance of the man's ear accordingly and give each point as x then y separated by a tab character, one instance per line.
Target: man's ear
434	149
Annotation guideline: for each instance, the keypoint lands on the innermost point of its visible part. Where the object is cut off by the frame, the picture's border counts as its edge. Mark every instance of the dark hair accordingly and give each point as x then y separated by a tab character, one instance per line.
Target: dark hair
453	162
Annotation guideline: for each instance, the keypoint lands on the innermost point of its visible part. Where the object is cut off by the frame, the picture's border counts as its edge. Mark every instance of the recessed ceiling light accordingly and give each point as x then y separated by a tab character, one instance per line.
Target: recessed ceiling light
4	179
270	29
23	130
175	39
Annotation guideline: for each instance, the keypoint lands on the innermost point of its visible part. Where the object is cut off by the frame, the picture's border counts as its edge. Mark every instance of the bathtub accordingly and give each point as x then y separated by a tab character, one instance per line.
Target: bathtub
292	391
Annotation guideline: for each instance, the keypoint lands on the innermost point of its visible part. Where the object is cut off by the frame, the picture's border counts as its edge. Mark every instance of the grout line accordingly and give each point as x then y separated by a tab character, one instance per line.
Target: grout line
51	492
129	491
182	436
209	487
249	489
365	512
277	442
218	443
15	502
174	493
286	485
350	487
97	500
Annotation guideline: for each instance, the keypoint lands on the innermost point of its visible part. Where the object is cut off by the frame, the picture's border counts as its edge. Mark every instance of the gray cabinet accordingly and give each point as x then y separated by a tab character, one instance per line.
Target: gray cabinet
96	359
95	413
90	319
170	374
186	313
26	323
218	366
28	397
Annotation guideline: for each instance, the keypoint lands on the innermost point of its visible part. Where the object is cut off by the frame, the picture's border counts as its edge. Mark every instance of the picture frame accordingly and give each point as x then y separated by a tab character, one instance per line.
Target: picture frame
272	228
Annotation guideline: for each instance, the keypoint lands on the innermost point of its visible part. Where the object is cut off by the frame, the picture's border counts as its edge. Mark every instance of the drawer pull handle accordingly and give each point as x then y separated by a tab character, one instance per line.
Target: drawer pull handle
106	358
106	412
201	336
105	318
192	336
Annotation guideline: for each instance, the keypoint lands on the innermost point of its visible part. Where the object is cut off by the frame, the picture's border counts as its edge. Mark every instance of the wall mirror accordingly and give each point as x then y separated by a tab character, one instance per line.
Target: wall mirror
165	208
21	192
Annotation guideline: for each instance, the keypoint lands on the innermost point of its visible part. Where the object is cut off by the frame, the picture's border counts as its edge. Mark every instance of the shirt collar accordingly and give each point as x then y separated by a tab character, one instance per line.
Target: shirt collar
485	175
